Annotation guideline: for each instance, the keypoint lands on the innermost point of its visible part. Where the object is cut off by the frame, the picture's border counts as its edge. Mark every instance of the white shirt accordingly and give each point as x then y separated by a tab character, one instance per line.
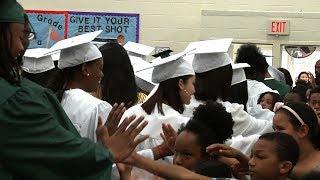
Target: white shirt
83	110
244	124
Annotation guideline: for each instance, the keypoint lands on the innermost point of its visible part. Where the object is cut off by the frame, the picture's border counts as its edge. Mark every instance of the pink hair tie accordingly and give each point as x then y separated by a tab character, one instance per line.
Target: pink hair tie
280	105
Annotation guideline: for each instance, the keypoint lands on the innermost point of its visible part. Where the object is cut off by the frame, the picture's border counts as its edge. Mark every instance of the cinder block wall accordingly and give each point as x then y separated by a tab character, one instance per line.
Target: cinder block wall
174	23
247	21
171	23
259	5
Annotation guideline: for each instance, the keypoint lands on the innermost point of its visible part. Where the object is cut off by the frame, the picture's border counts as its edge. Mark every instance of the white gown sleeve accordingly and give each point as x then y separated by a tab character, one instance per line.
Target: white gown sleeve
258	112
245	124
255	89
103	110
243	144
89	128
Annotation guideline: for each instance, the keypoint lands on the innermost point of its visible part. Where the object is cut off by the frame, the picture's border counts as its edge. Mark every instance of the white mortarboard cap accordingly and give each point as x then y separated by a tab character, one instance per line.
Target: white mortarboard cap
74	41
210	54
189	58
34	64
276	74
79	54
206	62
238	75
56	56
210	46
143	78
138	50
191	47
169	67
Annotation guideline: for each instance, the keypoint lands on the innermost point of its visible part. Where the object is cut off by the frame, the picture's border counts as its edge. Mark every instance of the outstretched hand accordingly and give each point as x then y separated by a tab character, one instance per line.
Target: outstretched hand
114	117
169	136
122	143
221	150
240	168
312	80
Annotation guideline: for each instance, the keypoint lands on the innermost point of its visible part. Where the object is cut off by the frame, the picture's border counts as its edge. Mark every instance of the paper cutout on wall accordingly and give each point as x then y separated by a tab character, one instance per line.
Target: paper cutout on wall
49	27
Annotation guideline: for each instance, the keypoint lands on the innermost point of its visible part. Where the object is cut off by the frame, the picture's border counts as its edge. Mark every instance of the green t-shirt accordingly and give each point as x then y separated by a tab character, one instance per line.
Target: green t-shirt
38	141
274	84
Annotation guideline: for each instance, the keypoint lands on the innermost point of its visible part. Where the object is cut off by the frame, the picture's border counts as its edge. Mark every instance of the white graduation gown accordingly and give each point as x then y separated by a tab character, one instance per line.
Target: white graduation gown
155	120
243	144
255	89
258	112
244	125
153	129
83	110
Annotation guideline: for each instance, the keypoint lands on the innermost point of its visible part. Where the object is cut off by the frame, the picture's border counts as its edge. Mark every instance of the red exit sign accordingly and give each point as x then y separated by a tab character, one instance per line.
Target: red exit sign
278	27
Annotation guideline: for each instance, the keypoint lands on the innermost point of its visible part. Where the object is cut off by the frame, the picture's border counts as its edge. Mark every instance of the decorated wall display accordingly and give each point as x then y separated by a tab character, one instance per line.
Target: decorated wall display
52	26
49	27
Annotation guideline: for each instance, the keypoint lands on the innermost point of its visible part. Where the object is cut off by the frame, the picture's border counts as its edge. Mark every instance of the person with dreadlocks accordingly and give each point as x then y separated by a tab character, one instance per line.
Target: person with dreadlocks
37	139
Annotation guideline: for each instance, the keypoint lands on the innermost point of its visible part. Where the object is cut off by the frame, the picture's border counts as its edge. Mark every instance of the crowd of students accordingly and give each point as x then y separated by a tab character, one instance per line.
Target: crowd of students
85	116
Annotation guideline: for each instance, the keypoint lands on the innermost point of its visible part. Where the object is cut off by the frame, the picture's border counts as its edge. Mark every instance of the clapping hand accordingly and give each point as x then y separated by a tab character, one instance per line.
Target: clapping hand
122	143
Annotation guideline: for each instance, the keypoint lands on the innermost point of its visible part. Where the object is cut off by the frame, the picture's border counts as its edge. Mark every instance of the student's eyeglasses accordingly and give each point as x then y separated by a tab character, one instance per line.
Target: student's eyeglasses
31	33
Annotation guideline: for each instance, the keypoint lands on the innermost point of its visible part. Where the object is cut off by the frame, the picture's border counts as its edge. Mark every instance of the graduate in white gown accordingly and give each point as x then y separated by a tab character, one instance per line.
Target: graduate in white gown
251	54
80	72
213	74
239	93
176	86
38	69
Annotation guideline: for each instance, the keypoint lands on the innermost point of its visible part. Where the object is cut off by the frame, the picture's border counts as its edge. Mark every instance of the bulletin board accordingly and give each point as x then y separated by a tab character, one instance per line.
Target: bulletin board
52	26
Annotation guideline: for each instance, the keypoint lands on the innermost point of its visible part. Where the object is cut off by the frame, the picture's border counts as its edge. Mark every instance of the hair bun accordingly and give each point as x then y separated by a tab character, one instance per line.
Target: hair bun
214	117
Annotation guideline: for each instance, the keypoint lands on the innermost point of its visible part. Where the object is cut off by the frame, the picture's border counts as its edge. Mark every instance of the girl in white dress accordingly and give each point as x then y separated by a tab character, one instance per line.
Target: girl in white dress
214	74
176	86
81	72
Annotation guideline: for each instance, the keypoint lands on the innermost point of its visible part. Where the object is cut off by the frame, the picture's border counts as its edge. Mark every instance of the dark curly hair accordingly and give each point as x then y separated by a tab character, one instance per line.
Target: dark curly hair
211	123
251	54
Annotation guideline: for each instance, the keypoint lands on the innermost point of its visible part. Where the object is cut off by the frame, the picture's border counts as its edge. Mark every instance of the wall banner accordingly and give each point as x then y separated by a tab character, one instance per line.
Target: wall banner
49	27
52	26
